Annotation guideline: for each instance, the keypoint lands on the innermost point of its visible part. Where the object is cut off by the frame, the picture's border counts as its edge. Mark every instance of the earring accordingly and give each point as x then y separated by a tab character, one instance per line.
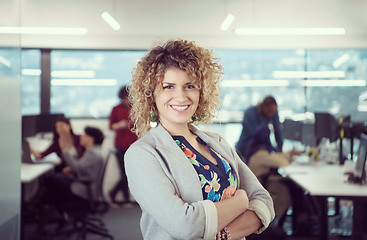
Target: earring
153	119
194	118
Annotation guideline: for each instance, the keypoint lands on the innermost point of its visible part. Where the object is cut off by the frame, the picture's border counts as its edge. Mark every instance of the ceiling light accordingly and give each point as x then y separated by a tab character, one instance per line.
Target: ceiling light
74	74
308	74
84	82
333	83
5	61
339	61
110	20
362	96
255	83
31	72
362	108
290	31
227	22
43	30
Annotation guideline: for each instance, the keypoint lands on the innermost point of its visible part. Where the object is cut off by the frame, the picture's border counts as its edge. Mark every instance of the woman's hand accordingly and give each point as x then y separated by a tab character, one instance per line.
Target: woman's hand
68	172
35	153
229	209
120	125
65	143
242	194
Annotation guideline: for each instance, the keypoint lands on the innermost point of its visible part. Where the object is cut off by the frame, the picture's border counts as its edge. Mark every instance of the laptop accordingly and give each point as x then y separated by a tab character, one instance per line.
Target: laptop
26	153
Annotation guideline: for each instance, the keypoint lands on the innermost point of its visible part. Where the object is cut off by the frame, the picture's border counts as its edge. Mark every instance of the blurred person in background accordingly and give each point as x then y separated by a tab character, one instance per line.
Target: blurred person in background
255	117
119	122
64	189
63	137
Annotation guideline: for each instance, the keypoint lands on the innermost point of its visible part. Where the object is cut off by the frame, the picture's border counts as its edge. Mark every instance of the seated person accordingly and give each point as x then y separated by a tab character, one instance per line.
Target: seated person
63	189
254	117
88	166
264	162
63	137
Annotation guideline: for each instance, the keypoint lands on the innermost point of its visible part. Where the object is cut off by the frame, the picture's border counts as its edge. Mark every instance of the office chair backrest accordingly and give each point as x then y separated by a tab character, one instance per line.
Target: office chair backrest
103	205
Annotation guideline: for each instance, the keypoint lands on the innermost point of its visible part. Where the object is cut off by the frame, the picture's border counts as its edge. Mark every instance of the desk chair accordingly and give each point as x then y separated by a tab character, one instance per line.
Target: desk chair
83	217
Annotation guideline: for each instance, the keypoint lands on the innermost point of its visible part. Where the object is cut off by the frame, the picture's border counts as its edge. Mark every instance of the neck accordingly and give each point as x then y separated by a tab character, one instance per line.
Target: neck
181	130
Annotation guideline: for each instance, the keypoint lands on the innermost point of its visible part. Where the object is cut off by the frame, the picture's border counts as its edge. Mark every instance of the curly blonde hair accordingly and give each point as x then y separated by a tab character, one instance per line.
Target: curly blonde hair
199	63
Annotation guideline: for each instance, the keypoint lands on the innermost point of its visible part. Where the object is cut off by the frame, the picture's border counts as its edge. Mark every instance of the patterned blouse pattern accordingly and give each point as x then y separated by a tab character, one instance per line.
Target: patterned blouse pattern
218	182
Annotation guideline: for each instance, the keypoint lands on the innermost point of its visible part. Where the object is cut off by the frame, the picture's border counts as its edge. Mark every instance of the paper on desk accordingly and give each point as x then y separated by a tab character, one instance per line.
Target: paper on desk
349	167
301	159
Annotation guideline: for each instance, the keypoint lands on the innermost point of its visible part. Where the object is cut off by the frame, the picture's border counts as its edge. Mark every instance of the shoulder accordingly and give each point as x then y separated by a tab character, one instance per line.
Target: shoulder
251	110
117	107
142	146
95	153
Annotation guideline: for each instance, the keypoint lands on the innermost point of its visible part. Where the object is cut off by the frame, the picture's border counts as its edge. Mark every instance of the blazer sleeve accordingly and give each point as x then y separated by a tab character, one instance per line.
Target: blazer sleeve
153	187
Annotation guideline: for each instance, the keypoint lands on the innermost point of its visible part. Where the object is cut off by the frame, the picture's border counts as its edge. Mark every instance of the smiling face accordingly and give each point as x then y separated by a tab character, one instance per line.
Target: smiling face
178	99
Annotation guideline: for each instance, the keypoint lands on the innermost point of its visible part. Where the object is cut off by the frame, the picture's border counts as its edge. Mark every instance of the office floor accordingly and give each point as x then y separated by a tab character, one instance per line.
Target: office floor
123	224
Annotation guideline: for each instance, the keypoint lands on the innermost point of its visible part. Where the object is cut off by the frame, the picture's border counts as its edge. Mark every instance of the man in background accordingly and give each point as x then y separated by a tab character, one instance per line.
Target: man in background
120	123
255	117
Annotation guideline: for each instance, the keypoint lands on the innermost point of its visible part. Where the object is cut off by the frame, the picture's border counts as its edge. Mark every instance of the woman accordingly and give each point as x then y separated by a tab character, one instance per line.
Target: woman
63	137
190	184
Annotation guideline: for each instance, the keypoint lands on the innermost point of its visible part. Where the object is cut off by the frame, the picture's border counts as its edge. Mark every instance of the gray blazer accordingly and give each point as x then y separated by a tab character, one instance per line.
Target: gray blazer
168	190
89	167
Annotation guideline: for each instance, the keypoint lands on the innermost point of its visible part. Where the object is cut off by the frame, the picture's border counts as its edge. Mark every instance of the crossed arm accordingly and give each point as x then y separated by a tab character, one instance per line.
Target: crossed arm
234	214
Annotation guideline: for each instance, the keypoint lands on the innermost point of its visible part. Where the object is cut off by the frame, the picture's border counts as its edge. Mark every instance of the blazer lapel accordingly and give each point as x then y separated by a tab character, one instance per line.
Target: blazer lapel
184	174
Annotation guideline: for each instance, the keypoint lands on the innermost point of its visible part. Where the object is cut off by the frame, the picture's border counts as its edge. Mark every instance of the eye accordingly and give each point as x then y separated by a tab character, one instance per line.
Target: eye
167	87
190	86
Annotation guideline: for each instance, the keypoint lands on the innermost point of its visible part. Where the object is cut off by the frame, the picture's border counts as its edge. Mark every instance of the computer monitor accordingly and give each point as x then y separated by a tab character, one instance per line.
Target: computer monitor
308	137
29	126
360	171
45	122
326	126
292	130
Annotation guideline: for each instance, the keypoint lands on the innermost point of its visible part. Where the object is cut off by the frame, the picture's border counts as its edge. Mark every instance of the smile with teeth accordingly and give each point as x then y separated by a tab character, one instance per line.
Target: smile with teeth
180	107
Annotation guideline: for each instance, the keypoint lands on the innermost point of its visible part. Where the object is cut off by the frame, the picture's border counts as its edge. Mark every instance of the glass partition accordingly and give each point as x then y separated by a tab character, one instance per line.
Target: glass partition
252	74
342	90
10	124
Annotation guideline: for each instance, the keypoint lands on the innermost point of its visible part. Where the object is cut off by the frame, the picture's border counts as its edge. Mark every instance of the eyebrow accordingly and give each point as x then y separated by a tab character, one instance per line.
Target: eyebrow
175	83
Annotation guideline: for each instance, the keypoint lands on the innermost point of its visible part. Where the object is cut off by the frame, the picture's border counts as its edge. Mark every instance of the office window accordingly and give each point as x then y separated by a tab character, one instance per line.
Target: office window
31	80
343	89
86	83
9	62
252	74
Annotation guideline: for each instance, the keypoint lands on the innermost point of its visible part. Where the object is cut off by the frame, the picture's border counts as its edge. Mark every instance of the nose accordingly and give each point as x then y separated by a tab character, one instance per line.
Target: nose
180	94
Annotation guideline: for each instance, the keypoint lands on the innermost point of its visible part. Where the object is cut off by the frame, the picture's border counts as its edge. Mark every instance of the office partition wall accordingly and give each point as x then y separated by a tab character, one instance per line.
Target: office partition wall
10	129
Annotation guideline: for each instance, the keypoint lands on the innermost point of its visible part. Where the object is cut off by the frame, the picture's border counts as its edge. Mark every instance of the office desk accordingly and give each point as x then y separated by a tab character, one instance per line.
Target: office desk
323	181
30	172
30	175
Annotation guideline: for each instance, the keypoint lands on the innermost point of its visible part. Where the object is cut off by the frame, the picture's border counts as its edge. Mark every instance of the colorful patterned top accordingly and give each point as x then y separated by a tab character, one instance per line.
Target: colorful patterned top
218	182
